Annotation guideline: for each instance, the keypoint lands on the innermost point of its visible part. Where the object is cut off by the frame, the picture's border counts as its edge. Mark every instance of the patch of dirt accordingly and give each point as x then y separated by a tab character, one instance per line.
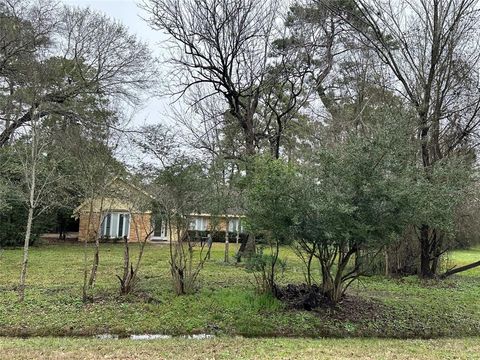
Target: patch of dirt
354	309
310	298
302	296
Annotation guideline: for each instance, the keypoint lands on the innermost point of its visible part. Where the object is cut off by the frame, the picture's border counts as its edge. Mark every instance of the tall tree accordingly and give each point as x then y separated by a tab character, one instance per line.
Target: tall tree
180	191
222	49
41	181
76	58
221	44
91	152
431	49
272	212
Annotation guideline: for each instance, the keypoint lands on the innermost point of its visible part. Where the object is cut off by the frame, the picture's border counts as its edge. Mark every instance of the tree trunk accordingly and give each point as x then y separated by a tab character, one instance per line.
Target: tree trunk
272	284
126	258
425	256
8	131
85	272
249	130
96	257
385	256
436	251
309	269
31	208
96	260
247	247
226	258
23	274
127	283
85	254
435	264
327	284
227	245
128	272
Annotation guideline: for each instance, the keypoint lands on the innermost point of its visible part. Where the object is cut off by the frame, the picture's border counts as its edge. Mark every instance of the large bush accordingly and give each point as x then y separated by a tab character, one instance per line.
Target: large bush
13	219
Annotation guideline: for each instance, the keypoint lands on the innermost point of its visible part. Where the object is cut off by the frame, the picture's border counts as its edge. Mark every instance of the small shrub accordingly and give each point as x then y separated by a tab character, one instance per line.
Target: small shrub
265	269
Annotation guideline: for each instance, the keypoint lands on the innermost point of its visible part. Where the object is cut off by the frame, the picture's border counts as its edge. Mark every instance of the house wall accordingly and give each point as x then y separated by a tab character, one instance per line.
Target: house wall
140	226
220	224
88	229
141	222
173	236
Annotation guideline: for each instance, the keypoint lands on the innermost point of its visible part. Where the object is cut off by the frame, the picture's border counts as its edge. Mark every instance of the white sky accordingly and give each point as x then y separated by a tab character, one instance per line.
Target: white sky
154	110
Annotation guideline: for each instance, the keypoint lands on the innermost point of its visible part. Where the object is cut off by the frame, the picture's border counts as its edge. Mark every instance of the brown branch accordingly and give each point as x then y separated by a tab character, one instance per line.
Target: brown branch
456	270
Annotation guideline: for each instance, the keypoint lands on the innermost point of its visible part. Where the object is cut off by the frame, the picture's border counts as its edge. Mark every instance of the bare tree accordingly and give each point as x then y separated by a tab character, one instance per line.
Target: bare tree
91	153
91	59
178	191
62	67
220	47
140	216
41	179
179	187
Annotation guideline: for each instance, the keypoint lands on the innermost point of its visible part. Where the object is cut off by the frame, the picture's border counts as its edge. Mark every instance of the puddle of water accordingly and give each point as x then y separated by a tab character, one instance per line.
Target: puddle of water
149	337
199	336
154	337
107	337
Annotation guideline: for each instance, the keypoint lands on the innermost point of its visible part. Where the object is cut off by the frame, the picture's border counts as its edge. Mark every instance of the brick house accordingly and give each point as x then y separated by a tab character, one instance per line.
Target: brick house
230	224
121	210
126	210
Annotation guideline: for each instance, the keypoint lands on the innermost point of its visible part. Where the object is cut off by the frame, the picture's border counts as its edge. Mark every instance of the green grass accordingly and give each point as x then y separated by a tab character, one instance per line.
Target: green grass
239	348
226	303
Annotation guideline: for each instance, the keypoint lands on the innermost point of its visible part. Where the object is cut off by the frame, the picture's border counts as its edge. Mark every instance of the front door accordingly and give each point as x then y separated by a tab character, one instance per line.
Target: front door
160	229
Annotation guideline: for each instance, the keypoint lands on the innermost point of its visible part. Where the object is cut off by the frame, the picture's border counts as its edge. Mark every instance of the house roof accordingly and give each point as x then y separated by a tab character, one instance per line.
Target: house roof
118	203
115	202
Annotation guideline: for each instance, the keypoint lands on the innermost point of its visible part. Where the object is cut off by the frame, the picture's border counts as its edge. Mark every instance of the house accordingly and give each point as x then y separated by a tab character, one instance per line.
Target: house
218	226
125	210
120	210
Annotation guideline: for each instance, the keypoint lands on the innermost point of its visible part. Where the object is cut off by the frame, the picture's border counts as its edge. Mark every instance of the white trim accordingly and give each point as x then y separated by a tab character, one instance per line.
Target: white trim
114	224
218	216
235	226
163	231
199	223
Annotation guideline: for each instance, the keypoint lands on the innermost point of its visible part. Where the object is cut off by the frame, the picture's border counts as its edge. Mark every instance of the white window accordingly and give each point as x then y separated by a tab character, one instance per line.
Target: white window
235	226
116	225
198	223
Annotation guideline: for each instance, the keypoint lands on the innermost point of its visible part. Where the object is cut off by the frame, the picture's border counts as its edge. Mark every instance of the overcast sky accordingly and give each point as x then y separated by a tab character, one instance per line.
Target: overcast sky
126	11
154	110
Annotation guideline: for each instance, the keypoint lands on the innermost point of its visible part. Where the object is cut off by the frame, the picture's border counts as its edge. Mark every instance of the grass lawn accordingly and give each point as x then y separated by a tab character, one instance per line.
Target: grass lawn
226	303
239	348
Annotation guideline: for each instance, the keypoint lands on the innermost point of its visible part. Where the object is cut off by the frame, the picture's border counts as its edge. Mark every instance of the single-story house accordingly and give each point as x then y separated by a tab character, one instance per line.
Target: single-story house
126	210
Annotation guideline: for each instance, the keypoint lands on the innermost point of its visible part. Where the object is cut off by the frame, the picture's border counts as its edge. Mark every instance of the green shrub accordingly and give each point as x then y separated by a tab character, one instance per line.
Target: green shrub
13	222
265	268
